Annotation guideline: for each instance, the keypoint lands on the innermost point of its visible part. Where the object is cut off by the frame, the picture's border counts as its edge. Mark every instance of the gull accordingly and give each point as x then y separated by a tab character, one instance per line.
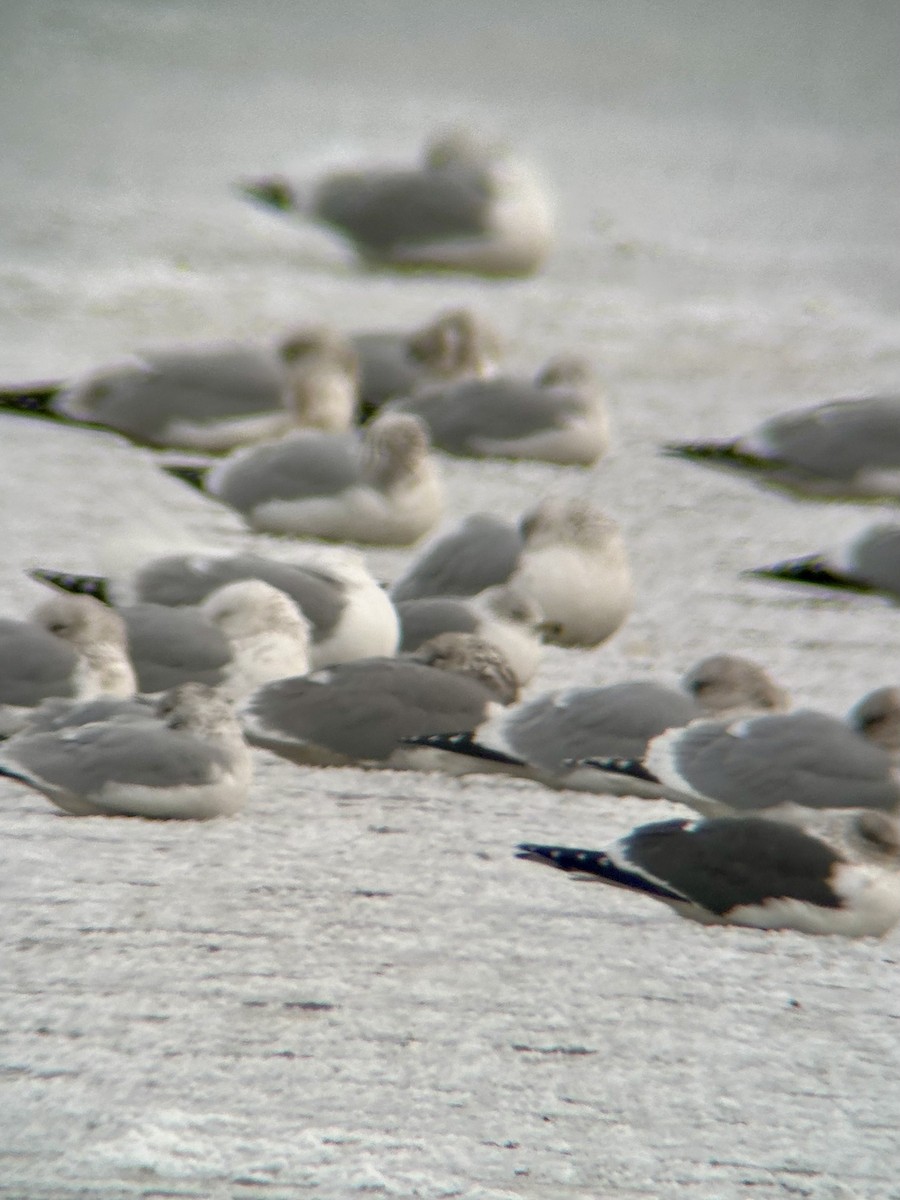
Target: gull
505	616
574	564
267	636
243	635
214	396
73	646
870	563
359	712
569	557
349	614
210	398
379	486
468	206
548	737
186	760
455	345
559	417
753	872
481	551
840	450
784	764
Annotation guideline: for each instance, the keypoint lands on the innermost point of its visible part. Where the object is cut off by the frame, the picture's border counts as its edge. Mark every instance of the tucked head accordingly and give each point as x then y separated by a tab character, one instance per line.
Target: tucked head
81	621
468	654
395	446
456	147
196	708
877	717
312	342
509	602
566	370
573	521
322	375
250	608
455	344
724	682
863	836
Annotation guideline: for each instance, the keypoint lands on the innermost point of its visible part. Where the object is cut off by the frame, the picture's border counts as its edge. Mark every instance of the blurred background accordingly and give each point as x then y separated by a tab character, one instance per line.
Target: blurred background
725	172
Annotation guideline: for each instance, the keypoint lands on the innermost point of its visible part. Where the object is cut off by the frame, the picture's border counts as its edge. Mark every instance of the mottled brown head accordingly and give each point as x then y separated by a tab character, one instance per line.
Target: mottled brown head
455	344
396	446
470	655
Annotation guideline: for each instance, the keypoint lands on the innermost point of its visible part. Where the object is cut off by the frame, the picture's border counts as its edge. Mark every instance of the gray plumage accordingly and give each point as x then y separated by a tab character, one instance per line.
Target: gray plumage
752	872
168	646
181	579
299	466
456	344
803	758
33	664
360	711
468	206
478	553
870	563
423	619
793	762
378	485
188	760
843	449
548	736
557	417
558	728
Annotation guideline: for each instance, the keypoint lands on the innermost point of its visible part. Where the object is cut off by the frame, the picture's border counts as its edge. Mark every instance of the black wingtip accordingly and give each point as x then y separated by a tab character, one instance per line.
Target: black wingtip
30	399
632	767
530	852
551	856
812	569
724	454
76	585
272	192
188	473
564	858
462	743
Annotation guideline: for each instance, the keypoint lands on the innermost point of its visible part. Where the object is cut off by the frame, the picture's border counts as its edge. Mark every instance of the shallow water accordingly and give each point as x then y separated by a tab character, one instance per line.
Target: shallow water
726	183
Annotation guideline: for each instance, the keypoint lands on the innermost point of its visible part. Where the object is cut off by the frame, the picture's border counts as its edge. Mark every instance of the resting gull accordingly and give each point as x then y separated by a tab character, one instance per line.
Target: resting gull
479	552
73	646
469	206
869	563
783	764
753	872
569	557
211	398
559	417
575	566
455	345
359	712
187	760
840	450
505	616
379	486
350	614
547	737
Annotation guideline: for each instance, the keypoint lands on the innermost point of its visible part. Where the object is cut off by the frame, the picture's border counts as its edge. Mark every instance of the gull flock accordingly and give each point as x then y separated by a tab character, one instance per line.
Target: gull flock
148	695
